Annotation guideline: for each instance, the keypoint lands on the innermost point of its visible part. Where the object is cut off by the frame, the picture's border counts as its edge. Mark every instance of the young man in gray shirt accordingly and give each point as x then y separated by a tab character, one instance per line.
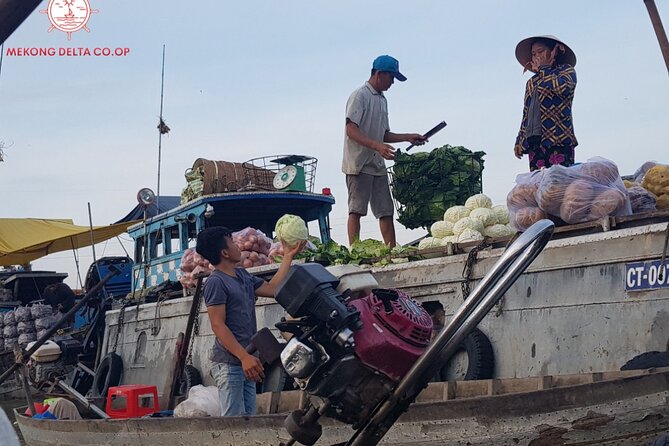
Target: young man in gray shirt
230	295
366	149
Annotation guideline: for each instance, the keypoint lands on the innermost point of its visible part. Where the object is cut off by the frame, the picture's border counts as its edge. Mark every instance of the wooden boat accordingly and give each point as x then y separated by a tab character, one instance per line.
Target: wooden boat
607	408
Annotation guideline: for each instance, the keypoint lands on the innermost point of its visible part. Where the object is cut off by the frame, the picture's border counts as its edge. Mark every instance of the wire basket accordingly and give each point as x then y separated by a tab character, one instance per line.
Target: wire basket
425	184
260	172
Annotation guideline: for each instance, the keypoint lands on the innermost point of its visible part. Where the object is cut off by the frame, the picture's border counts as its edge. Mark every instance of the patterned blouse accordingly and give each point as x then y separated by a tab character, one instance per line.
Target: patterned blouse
555	88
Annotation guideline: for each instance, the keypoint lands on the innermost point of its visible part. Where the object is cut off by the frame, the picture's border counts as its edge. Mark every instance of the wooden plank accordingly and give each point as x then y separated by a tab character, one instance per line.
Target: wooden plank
471	389
449	390
433	392
516	385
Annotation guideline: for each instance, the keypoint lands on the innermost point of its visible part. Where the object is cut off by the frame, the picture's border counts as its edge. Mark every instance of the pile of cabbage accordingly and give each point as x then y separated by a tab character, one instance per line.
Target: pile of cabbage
471	222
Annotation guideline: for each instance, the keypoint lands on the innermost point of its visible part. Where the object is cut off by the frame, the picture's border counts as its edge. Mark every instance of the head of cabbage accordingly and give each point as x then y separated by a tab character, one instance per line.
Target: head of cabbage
291	229
485	215
467	223
478	201
455	213
441	229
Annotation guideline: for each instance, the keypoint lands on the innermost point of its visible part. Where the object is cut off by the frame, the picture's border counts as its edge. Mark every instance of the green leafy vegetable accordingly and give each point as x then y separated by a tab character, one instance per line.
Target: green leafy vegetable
426	184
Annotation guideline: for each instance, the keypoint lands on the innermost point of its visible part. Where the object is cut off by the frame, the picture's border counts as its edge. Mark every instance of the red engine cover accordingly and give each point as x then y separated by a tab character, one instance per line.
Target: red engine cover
391	342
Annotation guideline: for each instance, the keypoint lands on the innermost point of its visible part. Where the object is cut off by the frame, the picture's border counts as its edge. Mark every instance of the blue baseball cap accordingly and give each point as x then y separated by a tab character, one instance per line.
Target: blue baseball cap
389	64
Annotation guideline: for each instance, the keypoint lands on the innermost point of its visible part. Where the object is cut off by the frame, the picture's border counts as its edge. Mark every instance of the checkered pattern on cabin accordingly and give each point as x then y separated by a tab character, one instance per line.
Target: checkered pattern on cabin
158	273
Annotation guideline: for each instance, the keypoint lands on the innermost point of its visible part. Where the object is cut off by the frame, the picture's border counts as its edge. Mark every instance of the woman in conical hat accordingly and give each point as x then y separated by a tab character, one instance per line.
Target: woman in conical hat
547	131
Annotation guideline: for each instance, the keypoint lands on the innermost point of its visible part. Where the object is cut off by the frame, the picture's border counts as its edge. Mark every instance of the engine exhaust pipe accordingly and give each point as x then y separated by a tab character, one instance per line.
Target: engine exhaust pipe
513	262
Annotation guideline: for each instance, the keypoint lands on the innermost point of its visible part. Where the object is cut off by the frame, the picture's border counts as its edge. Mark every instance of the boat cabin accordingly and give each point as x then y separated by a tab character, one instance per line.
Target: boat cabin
160	241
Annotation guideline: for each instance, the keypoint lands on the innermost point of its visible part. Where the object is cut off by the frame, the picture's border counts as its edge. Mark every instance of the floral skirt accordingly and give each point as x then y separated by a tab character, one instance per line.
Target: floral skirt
542	157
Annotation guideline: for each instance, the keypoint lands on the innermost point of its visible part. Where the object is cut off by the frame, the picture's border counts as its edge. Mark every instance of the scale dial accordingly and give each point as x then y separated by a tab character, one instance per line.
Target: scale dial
284	177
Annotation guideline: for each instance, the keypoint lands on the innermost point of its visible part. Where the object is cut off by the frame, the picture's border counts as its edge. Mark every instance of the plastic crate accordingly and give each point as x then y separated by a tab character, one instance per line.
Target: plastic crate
446	184
131	401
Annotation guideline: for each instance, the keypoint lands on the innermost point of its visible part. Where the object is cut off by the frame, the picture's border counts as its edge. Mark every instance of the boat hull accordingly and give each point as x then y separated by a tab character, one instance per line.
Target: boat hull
630	410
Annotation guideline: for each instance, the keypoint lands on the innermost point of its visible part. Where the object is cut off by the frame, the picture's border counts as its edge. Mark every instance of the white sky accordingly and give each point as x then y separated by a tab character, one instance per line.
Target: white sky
248	79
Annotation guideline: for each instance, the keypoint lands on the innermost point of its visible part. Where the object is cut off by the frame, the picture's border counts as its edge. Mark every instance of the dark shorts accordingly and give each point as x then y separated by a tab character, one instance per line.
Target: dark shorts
365	190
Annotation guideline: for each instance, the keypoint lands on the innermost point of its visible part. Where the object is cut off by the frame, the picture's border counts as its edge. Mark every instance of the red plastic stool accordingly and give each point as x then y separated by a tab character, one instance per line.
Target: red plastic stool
131	401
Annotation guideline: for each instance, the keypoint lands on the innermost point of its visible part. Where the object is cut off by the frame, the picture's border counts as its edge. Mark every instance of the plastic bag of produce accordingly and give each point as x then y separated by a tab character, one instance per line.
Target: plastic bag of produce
26	337
41	333
253	258
9	331
521	201
11	342
44	323
189	280
584	192
276	252
25	327
641	171
188	260
523	193
641	199
250	239
40	310
9	318
6	295
22	314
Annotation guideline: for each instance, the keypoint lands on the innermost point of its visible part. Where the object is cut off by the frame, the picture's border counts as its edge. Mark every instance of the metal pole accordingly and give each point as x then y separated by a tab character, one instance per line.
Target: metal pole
60	322
659	30
160	130
95	260
22	377
82	399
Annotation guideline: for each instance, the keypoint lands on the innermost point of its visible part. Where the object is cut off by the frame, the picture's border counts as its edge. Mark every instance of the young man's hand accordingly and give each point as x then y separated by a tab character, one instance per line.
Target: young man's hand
253	369
292	251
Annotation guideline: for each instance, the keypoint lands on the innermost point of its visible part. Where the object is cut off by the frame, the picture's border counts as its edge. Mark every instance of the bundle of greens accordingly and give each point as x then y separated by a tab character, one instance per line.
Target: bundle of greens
425	184
367	251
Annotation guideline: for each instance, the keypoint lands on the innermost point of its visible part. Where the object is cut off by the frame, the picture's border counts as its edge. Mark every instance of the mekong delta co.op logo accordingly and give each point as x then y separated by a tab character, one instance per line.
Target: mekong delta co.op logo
69	16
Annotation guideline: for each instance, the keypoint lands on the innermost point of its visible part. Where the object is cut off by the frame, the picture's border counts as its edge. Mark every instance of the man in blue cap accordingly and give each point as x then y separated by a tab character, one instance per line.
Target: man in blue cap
366	147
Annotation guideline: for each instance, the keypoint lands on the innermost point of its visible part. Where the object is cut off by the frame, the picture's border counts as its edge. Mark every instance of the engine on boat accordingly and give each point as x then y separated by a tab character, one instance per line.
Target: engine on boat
347	355
55	359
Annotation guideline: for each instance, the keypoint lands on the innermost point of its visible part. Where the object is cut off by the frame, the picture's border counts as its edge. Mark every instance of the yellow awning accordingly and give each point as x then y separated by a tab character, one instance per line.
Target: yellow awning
25	239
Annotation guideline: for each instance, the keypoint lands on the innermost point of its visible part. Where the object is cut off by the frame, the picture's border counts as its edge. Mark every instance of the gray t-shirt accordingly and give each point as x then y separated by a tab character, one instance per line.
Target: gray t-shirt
367	108
239	297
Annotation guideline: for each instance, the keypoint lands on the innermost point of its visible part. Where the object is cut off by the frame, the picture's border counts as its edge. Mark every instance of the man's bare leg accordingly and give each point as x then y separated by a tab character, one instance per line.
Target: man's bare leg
353	227
387	226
